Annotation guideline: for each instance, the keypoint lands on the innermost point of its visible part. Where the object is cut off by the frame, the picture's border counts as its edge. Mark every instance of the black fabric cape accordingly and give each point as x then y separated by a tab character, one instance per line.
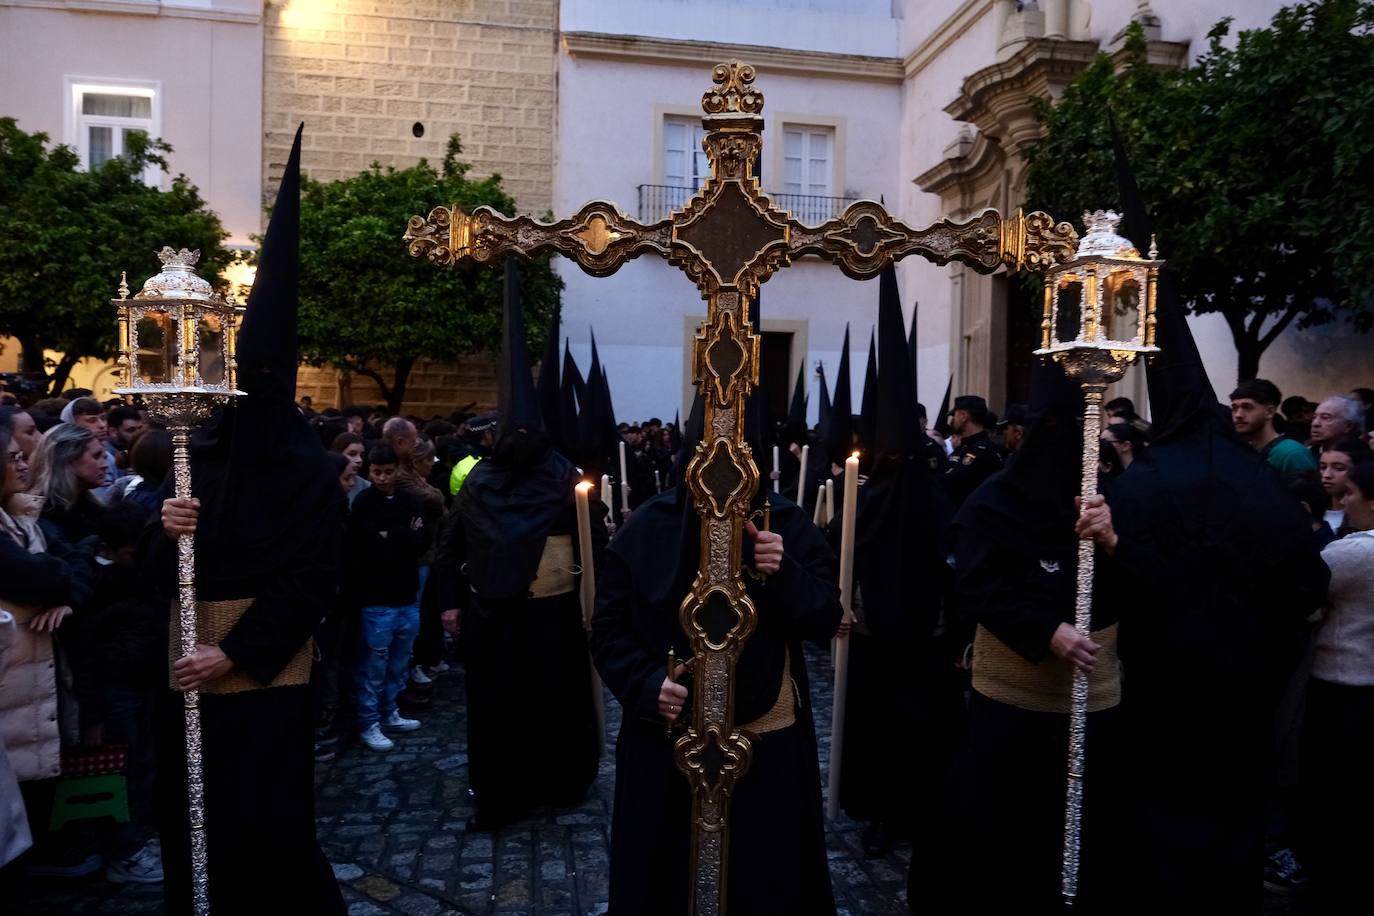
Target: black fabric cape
1219	574
777	843
514	646
270	529
507	512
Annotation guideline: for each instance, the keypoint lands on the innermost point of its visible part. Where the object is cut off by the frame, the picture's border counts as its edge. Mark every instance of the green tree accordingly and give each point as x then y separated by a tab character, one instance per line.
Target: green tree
68	233
1254	163
369	308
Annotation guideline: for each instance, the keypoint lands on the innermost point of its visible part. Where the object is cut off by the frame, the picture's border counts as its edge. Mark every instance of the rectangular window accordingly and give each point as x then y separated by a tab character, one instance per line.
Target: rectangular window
807	160
103	118
684	160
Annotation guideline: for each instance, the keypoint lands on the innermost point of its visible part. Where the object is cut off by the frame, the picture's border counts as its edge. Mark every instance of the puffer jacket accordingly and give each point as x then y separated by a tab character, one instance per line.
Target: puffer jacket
14	820
31	580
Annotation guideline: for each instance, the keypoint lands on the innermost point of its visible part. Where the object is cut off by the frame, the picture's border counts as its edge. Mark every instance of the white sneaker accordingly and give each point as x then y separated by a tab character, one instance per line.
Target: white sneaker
375	740
441	667
400	722
418	675
143	867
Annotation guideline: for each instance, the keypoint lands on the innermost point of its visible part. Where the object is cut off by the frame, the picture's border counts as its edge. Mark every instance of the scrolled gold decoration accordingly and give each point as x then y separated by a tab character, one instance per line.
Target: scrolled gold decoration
734	90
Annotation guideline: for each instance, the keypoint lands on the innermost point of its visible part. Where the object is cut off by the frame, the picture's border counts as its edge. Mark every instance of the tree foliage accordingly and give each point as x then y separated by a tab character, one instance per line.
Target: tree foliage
67	235
370	308
1255	165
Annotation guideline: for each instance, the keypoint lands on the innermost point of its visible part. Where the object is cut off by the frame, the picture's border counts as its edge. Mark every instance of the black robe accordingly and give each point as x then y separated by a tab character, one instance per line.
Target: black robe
903	704
777	842
270	529
522	753
1219	574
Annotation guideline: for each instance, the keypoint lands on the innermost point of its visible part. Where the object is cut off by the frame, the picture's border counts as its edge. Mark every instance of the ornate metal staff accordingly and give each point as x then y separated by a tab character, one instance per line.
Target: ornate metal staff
1099	316
177	341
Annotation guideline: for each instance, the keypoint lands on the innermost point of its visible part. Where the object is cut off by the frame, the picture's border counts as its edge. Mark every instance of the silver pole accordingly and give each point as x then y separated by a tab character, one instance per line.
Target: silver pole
1083	614
186	590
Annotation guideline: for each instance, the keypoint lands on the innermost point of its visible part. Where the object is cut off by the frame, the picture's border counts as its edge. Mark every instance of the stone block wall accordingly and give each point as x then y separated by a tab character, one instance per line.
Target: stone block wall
433	389
362	74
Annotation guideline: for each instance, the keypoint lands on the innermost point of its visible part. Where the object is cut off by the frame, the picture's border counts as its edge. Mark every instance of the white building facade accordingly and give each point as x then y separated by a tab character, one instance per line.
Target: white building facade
924	103
89	72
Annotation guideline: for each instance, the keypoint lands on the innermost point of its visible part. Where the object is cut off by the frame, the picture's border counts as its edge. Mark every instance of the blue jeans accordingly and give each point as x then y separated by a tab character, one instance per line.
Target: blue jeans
387	635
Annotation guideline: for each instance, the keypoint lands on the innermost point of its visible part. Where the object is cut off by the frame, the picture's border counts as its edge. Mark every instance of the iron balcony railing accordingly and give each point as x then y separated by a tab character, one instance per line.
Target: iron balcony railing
656	201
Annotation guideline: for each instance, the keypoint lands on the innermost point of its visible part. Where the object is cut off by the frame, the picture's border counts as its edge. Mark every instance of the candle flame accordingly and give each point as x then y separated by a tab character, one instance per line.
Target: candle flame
855	455
584	486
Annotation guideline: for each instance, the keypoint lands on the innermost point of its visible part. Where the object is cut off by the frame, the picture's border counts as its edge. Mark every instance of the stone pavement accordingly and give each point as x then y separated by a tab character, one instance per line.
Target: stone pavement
394	827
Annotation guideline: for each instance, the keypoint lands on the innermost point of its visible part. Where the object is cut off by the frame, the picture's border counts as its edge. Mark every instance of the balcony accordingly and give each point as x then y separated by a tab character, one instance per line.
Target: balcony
657	201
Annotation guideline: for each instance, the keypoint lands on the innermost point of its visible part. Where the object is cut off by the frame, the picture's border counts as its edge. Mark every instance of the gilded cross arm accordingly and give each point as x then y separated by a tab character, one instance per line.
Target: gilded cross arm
599	237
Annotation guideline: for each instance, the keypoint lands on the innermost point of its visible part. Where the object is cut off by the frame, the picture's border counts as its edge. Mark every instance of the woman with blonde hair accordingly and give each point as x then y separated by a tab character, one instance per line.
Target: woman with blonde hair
67	466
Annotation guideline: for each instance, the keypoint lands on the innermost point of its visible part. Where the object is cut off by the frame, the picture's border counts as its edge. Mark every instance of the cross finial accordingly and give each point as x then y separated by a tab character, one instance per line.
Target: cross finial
123	285
734	92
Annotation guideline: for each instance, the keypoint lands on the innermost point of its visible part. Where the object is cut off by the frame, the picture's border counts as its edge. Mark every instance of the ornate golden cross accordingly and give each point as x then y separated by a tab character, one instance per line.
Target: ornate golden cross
728	239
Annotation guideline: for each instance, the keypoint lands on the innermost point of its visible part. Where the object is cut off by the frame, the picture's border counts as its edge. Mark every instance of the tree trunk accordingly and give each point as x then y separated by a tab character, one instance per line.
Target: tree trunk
398	387
31	355
1251	340
62	373
1248	353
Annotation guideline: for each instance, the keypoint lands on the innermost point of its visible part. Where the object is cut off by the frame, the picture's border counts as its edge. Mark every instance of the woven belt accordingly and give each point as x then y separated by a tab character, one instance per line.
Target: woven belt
1001	674
214	620
556	569
784	711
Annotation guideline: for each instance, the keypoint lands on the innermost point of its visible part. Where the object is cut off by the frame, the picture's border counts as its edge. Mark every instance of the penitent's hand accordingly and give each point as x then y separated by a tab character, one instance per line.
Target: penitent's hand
200	667
1095	523
1079	651
179	516
672	696
767	549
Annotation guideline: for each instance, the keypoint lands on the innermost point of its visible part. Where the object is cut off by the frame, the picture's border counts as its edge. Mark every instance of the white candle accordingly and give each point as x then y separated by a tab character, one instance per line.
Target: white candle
584	539
588	595
625	497
777	472
851	498
624	472
606	492
801	477
658	481
819	517
829	500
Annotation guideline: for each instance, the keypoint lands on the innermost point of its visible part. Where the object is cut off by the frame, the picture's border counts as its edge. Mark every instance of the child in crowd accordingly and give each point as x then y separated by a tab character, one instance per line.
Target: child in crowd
387	535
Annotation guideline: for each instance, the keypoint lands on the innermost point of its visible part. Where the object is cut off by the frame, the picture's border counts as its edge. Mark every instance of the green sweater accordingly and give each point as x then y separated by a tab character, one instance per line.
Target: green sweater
1288	457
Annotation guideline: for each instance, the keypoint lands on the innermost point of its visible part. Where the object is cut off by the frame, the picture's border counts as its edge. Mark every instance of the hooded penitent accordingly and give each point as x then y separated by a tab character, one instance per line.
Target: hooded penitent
901	513
549	388
269	532
511	501
868	406
823	414
600	439
911	352
572	391
941	419
259	470
1219	575
839	432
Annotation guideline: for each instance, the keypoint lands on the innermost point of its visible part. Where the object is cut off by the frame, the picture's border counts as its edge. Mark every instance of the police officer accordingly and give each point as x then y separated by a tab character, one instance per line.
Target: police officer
1013	427
977	458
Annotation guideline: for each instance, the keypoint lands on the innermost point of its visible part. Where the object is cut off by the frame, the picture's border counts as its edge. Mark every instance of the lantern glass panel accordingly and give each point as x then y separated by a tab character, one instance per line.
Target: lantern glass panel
210	335
157	348
1122	306
1068	317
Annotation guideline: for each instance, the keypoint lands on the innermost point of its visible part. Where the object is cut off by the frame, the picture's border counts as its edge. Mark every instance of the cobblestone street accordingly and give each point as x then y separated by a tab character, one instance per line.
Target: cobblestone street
394	827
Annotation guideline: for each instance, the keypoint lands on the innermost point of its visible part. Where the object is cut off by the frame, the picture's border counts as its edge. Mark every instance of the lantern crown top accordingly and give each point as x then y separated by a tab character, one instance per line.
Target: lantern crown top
177	279
1102	240
734	92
